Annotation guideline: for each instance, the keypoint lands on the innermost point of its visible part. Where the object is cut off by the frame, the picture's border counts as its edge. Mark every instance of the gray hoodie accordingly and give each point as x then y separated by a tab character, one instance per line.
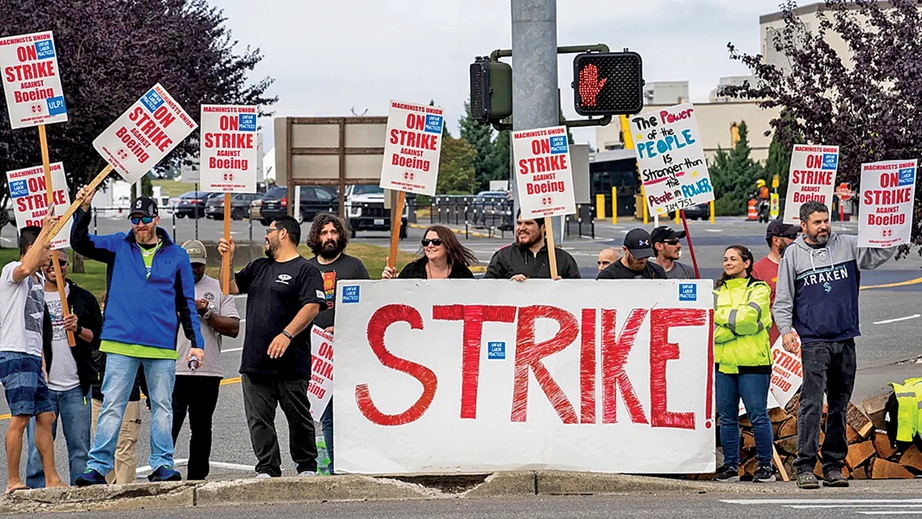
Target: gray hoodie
817	290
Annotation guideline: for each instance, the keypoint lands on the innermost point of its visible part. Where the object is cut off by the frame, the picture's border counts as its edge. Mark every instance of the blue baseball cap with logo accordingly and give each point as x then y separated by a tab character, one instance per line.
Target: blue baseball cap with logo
638	242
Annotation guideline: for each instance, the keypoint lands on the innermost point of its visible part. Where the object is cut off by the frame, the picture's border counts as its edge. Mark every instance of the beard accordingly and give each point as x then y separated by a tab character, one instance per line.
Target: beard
526	240
819	239
270	250
330	249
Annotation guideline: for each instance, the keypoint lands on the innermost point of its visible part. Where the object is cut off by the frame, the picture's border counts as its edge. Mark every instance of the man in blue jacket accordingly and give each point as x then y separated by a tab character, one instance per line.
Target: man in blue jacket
150	294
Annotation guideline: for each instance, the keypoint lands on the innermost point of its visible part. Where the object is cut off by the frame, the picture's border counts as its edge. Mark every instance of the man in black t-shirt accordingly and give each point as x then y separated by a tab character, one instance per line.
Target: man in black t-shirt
328	239
285	295
635	263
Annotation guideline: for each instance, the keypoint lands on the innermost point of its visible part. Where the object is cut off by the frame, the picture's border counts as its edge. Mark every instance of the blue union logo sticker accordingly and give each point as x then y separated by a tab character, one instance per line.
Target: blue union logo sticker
351	294
496	351
830	160
688	292
152	100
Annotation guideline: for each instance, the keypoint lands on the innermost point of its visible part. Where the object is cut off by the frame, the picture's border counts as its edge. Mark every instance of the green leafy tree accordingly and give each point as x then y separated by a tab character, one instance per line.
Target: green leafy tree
498	160
456	167
480	137
734	175
779	156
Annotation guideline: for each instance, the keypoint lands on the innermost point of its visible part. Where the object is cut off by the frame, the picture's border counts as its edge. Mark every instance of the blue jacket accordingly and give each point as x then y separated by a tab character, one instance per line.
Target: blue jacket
141	310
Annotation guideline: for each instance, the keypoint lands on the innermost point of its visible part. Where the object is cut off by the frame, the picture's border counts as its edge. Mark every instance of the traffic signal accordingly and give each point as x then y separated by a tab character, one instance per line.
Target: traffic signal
608	83
491	90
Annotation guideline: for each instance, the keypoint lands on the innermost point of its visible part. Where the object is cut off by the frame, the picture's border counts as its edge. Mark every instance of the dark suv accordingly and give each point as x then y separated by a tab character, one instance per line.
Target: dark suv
192	204
314	199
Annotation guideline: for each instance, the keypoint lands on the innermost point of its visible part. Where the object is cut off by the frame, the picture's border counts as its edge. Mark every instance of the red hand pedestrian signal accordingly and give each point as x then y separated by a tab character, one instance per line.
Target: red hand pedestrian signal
589	84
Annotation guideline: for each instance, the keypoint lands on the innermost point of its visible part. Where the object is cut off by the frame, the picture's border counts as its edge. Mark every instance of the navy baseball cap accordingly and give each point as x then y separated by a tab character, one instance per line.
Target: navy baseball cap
144	206
777	227
639	243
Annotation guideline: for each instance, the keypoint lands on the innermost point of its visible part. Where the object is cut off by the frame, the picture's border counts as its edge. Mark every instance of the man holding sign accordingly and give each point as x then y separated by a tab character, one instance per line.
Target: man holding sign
817	295
150	294
528	256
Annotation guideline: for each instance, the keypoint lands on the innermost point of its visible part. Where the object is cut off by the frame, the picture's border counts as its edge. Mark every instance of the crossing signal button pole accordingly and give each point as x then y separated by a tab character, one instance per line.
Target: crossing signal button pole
608	83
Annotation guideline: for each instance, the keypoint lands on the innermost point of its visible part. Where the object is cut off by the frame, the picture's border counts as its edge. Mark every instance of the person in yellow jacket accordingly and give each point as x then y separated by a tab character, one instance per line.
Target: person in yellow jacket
743	361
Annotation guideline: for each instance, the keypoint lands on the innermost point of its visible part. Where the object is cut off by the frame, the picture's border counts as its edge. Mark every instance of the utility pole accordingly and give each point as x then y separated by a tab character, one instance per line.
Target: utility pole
535	98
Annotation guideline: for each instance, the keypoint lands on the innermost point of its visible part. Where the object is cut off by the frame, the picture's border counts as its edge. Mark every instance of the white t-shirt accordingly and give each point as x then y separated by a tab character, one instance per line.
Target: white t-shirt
22	310
63	375
209	289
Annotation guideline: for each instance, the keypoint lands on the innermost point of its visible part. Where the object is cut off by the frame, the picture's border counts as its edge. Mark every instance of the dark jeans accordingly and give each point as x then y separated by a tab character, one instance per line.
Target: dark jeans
198	396
261	396
752	388
326	423
829	367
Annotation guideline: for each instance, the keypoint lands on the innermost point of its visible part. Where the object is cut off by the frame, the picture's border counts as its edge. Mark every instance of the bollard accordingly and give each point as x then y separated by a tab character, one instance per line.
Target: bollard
711	204
614	206
646	210
678	217
600	205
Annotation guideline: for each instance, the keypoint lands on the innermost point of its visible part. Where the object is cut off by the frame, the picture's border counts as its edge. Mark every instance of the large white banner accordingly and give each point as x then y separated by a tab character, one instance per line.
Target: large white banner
544	177
484	375
671	159
228	149
31	80
888	192
143	135
30	201
812	177
412	148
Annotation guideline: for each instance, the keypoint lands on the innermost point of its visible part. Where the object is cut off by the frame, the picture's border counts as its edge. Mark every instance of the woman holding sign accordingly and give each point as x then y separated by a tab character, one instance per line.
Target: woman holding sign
743	362
443	258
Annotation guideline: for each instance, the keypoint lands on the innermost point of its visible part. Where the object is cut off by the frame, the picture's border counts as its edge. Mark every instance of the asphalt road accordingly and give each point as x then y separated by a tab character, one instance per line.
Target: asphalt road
788	504
890	317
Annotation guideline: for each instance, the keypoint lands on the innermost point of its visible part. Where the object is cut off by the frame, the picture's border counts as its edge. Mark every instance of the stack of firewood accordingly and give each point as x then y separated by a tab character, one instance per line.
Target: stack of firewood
870	454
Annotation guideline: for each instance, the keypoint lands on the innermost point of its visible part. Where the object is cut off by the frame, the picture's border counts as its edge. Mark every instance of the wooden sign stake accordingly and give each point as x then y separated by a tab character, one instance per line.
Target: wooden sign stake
225	260
551	250
76	203
396	220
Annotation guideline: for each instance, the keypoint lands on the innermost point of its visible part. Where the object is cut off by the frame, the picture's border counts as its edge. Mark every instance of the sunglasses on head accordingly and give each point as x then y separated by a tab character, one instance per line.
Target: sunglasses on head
135	220
434	241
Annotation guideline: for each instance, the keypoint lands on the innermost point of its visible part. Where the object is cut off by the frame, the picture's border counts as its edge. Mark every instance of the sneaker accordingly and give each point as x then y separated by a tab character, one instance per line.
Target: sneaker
834	478
263	475
90	477
764	475
307	473
164	473
807	481
727	474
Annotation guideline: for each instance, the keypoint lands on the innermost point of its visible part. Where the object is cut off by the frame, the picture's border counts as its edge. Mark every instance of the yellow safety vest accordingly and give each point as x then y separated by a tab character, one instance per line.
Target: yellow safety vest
909	405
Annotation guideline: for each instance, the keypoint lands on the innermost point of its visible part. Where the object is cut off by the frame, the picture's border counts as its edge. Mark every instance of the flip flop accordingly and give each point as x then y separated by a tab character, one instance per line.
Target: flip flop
16	489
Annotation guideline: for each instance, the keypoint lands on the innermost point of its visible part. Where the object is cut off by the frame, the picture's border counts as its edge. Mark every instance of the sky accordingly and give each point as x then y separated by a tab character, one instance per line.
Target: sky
329	58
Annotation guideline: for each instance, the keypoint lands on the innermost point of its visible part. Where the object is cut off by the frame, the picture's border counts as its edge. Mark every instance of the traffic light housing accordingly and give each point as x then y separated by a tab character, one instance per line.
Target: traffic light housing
608	83
491	90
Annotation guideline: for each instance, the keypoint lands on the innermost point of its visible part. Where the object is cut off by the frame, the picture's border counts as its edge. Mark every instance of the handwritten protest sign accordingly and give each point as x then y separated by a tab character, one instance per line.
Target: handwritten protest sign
28	192
31	80
670	159
320	387
887	196
228	149
812	177
143	135
411	152
544	178
524	377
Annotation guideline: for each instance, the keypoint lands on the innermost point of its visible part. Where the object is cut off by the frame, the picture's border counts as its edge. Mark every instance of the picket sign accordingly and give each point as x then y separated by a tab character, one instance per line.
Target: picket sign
484	375
888	192
320	387
812	178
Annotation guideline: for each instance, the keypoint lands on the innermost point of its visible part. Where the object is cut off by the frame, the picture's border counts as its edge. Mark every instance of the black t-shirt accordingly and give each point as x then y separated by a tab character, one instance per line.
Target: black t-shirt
344	267
417	270
617	270
277	292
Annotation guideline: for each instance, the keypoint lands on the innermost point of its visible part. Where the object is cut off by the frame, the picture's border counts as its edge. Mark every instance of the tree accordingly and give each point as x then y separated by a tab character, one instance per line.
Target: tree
456	167
867	102
498	160
110	52
480	137
779	157
734	176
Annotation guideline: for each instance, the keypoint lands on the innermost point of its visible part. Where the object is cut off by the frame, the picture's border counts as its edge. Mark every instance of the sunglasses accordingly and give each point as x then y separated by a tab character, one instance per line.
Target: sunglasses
63	263
671	242
135	220
434	241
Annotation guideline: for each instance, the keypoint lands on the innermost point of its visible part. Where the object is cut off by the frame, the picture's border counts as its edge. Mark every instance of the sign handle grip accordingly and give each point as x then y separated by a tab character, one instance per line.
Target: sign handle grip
76	203
396	220
225	260
49	201
691	248
551	249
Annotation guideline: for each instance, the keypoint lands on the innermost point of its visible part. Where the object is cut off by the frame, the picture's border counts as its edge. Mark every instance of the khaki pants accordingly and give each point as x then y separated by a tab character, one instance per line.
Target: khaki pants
126	452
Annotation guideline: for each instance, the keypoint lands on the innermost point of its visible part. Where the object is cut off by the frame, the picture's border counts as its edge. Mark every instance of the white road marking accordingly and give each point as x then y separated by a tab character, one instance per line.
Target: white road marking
888	321
817	501
231	350
891	512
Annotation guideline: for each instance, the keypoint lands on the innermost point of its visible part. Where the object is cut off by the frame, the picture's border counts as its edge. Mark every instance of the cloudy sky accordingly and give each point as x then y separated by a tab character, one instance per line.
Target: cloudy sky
329	58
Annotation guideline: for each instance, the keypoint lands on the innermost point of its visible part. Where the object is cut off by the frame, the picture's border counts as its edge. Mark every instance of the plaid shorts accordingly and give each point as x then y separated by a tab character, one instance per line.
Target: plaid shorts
26	391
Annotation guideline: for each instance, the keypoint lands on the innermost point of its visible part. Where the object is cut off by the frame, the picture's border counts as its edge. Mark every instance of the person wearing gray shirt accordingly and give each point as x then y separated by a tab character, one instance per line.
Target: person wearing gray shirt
668	250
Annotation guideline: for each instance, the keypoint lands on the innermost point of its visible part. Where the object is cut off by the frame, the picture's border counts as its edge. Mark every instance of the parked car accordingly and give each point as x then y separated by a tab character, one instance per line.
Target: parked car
240	206
490	209
314	199
192	204
365	210
697	212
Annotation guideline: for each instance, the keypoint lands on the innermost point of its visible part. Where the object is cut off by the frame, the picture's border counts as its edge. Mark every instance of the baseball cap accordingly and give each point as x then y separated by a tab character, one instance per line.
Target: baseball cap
777	227
144	206
196	251
663	233
638	242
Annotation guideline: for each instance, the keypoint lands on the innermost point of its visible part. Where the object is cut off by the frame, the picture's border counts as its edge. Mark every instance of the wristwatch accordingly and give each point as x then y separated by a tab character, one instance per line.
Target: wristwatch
208	313
78	330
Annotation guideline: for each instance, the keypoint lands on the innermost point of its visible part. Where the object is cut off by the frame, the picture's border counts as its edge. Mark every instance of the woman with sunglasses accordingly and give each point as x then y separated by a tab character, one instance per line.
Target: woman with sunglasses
443	257
743	362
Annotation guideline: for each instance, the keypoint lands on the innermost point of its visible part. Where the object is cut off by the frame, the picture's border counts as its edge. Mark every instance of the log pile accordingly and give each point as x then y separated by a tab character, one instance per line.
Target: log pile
870	454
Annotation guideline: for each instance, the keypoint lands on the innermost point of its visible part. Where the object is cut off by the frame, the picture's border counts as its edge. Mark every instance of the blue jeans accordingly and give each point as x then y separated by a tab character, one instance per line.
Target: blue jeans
326	423
116	387
75	414
753	389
